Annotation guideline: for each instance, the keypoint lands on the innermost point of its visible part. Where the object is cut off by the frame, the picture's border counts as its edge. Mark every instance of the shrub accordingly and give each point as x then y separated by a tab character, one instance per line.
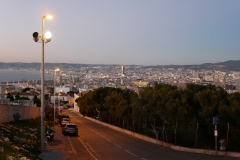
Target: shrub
16	116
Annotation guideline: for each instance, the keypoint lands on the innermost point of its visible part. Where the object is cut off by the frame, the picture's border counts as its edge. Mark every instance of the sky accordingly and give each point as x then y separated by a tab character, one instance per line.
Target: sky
125	32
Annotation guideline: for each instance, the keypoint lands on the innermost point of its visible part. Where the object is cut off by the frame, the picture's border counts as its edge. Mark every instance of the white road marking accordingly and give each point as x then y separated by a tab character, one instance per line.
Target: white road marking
130	153
73	148
108	139
88	150
117	145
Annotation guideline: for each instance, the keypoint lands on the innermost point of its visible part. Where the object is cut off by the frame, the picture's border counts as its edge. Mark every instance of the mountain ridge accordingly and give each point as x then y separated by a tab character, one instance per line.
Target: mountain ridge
230	65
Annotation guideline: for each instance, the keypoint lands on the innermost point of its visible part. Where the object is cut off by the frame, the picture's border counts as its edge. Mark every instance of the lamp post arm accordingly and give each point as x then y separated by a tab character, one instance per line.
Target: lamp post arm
43	28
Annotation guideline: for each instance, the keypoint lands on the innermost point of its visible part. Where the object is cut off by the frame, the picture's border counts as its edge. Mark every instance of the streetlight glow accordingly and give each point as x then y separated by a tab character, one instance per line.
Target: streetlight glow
48	35
48	16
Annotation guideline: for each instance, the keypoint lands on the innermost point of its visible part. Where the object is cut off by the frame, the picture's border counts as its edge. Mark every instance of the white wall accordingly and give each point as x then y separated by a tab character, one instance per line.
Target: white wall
62	89
61	98
75	107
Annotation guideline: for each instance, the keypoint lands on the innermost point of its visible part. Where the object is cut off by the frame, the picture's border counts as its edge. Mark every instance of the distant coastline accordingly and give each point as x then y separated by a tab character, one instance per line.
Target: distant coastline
20	70
9	75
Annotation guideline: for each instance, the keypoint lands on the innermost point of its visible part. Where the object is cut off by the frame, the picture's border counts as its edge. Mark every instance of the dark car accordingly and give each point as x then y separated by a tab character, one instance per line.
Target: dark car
70	128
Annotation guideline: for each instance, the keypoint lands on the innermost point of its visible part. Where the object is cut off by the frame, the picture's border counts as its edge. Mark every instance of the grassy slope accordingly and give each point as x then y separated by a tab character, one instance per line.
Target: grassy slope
28	129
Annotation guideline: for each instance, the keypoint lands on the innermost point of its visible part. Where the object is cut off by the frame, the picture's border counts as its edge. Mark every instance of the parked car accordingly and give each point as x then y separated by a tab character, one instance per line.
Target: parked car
70	128
65	121
65	106
61	116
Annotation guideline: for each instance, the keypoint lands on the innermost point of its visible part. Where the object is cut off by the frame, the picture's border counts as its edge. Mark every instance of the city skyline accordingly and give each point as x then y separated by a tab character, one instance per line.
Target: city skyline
124	32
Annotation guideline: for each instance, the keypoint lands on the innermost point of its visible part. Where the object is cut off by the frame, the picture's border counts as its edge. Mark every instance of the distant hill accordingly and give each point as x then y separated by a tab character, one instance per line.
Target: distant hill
231	65
18	65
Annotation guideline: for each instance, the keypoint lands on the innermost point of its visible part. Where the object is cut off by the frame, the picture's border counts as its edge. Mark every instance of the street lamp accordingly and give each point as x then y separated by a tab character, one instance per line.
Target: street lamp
36	38
54	91
59	94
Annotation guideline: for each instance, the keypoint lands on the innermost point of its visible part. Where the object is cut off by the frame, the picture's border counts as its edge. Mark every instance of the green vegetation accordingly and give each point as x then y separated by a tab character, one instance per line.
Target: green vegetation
179	116
10	97
26	89
20	139
16	117
37	101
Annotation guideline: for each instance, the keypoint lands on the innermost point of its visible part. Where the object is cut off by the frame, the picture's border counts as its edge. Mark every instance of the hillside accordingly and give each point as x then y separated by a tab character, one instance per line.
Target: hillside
231	65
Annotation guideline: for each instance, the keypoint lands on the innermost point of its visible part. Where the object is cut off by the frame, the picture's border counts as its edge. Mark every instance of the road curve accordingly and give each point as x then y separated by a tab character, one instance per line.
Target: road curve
99	142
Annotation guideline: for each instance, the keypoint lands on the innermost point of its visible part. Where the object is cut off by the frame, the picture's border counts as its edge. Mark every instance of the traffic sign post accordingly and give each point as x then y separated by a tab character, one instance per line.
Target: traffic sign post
215	122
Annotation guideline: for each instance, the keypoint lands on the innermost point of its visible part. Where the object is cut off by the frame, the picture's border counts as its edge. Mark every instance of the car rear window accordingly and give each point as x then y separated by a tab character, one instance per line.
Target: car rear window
63	116
71	126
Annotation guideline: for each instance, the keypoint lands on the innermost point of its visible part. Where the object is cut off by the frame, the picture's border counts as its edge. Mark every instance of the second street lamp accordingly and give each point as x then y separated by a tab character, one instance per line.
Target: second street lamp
36	38
54	91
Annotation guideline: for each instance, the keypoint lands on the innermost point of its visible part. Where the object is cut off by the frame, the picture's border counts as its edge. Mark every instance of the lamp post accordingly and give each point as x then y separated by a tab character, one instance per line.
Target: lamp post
60	108
36	38
59	94
54	91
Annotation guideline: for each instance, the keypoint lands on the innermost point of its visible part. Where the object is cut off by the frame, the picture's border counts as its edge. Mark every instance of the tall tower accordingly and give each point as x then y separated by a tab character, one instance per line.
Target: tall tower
122	71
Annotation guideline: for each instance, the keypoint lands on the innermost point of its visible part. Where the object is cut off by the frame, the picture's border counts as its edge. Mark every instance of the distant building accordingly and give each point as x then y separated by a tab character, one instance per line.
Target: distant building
76	108
59	80
62	89
4	89
60	98
122	71
208	78
141	83
229	87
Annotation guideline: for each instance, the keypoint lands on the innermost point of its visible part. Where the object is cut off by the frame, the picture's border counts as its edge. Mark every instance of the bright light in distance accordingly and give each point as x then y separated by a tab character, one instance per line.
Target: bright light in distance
57	69
48	35
49	17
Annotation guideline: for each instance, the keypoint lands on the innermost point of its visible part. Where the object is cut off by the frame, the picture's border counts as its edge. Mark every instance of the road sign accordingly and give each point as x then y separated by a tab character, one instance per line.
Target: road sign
215	120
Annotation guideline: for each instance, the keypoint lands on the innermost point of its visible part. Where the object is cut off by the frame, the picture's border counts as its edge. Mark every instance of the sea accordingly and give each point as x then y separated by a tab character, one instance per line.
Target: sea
16	75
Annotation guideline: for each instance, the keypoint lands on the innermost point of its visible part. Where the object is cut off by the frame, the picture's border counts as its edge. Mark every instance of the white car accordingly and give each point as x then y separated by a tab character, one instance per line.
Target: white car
65	121
65	107
70	128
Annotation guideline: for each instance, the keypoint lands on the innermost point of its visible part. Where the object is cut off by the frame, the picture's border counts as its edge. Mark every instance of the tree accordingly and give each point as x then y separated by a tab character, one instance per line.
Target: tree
47	97
26	89
10	97
17	96
233	110
23	98
116	104
37	101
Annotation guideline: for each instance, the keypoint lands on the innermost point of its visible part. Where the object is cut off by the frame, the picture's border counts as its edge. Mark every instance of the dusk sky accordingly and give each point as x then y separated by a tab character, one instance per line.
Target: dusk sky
124	32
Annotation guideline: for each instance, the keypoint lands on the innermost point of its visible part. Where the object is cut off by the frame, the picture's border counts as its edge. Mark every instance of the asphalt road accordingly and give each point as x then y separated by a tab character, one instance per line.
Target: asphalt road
99	142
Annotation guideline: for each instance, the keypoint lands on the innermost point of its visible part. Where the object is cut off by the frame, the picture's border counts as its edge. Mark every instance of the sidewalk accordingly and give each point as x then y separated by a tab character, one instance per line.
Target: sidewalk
58	148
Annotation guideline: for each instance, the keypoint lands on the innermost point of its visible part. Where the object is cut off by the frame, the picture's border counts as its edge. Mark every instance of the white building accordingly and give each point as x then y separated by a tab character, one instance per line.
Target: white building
75	107
63	97
62	89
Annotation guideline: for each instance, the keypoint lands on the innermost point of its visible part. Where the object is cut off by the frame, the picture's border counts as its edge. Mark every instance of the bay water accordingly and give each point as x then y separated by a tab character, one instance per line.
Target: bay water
17	75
